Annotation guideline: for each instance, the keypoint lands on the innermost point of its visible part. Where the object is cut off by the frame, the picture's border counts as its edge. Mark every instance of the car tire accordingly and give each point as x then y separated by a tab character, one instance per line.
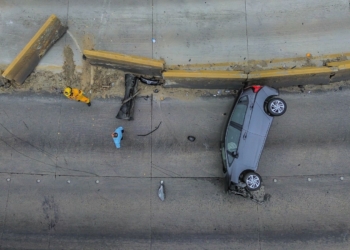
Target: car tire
276	106
253	181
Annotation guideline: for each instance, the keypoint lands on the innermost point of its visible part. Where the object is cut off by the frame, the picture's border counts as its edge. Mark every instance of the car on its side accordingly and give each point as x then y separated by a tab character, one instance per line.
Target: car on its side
245	134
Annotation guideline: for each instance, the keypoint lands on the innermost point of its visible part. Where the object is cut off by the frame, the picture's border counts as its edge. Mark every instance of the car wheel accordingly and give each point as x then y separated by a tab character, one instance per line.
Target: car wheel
253	181
276	106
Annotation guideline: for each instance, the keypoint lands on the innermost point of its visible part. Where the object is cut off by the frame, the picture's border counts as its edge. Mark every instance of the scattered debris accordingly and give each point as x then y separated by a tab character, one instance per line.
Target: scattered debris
156	91
161	191
259	196
4	82
126	111
152	130
191	138
150	81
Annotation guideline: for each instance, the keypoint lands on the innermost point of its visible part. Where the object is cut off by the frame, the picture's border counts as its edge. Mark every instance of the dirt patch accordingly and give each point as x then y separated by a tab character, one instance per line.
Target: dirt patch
71	77
88	43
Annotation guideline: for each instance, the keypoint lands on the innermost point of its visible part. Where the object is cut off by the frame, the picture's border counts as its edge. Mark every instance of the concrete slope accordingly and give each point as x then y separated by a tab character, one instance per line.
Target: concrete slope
182	32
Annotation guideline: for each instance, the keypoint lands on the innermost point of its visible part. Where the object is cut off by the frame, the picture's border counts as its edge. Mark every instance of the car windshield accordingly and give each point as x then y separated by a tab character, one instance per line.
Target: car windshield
234	128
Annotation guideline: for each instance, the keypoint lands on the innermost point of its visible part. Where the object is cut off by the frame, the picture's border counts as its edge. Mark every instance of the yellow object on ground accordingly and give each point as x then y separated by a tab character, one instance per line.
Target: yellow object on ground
76	94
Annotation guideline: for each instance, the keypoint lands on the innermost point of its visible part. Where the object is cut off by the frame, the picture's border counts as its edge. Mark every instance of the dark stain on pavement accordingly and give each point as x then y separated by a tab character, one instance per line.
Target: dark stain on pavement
50	210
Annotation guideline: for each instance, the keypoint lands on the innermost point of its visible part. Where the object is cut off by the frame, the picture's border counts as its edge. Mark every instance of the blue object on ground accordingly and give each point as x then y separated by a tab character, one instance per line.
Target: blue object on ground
119	131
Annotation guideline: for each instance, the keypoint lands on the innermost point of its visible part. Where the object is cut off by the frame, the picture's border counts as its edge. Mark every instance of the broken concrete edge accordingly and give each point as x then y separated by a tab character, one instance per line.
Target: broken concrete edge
237	79
343	73
26	61
340	65
128	63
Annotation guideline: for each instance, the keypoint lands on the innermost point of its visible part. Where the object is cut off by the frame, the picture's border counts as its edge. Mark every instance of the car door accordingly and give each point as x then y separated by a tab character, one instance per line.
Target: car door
254	136
233	136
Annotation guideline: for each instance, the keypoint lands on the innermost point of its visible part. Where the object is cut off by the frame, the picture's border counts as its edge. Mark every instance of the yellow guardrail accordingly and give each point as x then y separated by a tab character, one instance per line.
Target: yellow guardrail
26	61
134	64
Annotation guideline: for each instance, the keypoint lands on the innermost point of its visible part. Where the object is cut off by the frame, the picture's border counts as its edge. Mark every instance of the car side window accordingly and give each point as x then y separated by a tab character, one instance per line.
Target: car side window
234	129
239	112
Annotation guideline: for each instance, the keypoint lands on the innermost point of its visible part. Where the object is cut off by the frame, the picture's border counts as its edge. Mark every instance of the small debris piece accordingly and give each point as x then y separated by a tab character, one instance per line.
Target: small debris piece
68	181
161	191
38	181
274	180
156	91
341	178
125	101
308	179
8	179
152	130
259	196
191	138
97	181
149	81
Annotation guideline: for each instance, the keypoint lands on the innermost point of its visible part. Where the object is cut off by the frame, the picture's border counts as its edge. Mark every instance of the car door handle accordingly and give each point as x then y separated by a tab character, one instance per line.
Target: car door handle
244	135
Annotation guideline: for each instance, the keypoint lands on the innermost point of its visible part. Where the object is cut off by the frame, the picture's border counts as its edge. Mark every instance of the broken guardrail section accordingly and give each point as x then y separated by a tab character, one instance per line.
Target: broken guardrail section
343	72
26	61
127	63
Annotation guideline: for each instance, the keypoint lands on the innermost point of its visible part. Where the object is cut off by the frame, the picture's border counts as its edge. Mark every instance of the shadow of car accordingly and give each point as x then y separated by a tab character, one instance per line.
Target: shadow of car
245	134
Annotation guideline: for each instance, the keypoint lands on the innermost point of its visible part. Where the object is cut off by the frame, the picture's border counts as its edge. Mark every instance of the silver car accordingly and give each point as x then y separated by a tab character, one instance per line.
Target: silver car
245	135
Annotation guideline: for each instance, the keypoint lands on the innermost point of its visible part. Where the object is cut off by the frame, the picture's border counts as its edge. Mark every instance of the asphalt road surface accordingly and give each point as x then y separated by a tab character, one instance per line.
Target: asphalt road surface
64	185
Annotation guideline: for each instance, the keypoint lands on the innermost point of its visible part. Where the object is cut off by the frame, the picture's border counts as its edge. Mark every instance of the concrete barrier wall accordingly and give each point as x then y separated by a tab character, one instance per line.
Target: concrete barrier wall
127	63
222	79
291	77
29	57
204	79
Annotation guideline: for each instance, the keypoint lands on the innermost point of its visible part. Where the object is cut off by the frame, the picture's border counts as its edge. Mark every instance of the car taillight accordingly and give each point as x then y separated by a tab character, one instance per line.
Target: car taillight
256	88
